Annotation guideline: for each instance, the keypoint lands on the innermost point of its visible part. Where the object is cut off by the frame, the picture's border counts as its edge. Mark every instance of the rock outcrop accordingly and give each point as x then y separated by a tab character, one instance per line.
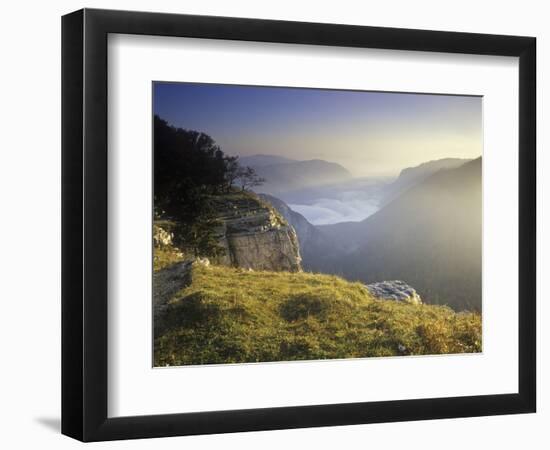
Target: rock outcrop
394	290
316	250
162	237
168	281
254	235
307	233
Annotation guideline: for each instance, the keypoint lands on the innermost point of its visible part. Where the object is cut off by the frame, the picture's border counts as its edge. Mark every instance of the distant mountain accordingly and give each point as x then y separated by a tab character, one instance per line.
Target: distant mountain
346	236
291	176
429	237
414	175
256	161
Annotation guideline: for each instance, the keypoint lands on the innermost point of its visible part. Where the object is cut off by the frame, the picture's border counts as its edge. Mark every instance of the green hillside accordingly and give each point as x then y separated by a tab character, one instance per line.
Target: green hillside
231	315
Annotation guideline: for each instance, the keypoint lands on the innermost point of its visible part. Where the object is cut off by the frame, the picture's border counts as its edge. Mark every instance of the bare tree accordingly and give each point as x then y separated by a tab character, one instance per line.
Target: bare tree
232	170
248	178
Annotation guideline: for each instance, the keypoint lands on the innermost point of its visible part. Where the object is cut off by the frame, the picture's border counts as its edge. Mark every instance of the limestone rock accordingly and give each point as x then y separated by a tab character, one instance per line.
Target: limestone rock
255	236
308	234
394	290
168	281
162	237
202	261
272	249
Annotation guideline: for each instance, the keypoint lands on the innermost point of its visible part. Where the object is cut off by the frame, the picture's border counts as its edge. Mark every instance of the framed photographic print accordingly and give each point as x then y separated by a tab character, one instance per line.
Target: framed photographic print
273	224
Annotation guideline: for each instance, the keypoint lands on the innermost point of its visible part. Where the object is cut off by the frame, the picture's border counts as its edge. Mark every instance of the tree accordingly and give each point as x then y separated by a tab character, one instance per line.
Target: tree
187	164
200	237
189	168
248	178
232	170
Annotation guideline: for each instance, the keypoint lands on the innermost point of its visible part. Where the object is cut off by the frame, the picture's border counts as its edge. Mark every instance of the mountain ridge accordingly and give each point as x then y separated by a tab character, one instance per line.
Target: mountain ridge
260	160
430	237
410	176
289	176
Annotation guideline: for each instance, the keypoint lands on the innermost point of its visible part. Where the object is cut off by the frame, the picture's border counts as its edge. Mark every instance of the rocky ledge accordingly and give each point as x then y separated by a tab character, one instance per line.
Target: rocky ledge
254	235
394	290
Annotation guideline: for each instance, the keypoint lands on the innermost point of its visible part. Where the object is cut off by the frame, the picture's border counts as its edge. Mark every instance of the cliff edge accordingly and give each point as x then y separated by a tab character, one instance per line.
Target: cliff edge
254	235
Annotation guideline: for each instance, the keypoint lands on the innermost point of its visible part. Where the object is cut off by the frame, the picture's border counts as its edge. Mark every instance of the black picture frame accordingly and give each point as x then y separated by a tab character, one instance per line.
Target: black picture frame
84	224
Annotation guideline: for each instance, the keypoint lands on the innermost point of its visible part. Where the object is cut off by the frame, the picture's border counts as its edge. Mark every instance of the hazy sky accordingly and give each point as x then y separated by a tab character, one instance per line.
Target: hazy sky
369	133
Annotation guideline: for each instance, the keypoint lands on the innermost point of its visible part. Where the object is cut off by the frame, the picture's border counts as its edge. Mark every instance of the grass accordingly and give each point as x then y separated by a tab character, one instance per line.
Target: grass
165	256
230	315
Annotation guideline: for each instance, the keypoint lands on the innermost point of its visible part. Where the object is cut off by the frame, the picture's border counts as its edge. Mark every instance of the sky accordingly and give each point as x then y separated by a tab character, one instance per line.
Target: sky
369	133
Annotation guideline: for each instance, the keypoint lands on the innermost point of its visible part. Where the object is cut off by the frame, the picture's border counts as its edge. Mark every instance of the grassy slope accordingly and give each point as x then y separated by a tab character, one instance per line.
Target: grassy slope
164	257
230	315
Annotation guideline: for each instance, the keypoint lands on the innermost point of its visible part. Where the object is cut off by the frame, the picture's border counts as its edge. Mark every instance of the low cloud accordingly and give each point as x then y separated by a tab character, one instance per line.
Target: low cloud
351	206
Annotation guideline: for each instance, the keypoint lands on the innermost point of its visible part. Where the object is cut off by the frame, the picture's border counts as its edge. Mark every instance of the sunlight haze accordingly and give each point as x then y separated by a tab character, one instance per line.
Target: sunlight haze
368	133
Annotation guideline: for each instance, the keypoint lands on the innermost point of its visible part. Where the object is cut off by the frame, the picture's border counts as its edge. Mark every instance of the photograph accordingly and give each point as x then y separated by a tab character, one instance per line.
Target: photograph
312	224
275	225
